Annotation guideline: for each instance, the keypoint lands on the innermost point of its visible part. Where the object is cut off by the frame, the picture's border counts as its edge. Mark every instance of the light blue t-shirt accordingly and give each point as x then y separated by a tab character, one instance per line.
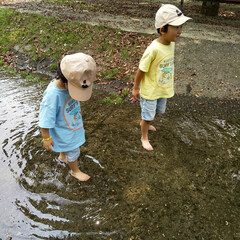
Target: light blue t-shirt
62	115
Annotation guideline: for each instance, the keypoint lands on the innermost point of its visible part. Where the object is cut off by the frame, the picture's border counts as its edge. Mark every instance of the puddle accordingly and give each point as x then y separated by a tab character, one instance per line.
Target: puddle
188	188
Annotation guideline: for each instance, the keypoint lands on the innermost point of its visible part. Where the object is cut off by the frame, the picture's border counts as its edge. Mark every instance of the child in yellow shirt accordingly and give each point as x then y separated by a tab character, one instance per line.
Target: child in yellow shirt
156	69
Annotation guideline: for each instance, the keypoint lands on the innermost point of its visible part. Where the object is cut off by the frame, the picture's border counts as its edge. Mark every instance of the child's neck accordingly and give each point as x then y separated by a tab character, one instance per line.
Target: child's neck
60	84
163	41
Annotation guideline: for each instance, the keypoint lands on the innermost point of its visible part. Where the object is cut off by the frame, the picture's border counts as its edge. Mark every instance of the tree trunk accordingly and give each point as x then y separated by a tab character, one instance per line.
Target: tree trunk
210	7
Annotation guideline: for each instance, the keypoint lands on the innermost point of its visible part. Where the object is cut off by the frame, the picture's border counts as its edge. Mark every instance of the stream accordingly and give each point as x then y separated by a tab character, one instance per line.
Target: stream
187	188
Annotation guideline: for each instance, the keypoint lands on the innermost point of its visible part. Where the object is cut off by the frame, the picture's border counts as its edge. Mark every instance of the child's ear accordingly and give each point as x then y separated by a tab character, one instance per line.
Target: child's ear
162	31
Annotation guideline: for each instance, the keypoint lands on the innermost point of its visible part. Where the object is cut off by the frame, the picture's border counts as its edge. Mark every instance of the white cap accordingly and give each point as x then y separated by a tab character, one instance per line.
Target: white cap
169	14
80	71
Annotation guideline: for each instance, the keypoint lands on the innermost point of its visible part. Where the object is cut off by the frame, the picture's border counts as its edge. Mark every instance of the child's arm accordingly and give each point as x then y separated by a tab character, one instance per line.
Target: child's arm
138	78
47	140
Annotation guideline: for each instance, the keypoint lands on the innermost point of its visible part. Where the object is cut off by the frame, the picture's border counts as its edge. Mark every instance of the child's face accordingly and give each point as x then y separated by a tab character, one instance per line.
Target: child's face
172	34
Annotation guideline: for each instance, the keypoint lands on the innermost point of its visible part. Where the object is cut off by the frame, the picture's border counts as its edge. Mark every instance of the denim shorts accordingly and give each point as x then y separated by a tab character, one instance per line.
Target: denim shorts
149	108
73	155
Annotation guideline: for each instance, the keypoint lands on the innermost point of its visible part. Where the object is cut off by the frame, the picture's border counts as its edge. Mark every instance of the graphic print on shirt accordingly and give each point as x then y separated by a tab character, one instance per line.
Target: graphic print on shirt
72	114
165	71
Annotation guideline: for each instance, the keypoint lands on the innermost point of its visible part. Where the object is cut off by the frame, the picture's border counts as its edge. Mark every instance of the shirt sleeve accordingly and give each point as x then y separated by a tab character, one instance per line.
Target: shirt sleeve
48	109
146	60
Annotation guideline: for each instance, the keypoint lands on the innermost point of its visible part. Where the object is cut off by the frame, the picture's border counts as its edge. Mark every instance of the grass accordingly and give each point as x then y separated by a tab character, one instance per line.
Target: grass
114	98
30	77
110	74
8	69
50	38
116	53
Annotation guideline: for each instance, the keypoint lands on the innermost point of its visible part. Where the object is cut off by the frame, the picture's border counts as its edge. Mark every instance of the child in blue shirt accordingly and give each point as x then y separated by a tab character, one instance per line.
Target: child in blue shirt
156	69
60	116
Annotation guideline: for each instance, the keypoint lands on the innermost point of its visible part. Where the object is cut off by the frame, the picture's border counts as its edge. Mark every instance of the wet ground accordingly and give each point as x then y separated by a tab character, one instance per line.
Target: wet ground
187	188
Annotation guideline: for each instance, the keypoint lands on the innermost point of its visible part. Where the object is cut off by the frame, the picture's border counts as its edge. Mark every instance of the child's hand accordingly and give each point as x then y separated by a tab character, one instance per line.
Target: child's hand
48	145
135	94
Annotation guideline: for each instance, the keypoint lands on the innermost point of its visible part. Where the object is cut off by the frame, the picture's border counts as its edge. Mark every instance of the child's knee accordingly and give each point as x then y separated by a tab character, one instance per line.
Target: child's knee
72	155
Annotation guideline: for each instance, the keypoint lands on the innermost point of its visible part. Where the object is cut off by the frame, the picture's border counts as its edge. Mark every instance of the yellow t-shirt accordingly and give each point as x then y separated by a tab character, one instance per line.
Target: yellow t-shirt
158	64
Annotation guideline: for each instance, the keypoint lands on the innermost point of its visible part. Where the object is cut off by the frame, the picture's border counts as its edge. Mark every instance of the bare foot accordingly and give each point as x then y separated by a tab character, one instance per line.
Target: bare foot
62	157
146	144
80	176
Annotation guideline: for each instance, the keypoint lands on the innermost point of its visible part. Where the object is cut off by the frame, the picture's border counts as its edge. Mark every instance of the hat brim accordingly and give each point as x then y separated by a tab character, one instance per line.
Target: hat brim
80	94
179	21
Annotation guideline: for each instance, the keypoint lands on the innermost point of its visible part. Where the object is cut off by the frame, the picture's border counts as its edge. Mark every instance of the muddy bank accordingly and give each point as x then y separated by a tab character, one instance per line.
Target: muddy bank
202	69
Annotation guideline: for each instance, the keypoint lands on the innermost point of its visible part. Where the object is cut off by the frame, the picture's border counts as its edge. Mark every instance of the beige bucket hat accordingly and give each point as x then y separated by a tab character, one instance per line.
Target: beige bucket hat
169	14
80	71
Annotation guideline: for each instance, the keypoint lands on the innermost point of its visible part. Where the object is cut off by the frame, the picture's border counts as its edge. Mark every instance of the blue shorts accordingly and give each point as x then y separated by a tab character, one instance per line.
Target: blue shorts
149	108
73	155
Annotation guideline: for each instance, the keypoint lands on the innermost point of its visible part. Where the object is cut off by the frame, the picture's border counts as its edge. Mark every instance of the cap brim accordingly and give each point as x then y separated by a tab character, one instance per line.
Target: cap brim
179	21
80	94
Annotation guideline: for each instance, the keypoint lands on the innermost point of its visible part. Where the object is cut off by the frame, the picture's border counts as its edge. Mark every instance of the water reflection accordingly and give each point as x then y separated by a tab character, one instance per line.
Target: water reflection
188	188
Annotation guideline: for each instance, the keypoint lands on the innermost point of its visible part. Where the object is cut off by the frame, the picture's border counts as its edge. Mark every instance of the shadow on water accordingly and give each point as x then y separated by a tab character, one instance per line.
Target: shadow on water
187	188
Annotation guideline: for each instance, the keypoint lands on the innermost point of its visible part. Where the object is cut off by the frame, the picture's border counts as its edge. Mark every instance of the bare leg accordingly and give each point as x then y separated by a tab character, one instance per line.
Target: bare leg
151	127
75	171
62	157
145	142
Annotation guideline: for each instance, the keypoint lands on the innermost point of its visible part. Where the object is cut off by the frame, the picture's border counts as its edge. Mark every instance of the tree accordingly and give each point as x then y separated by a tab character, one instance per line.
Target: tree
210	7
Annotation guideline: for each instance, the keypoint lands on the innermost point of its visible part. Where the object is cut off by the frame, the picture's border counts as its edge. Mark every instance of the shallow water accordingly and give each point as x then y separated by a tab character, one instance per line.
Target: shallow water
187	188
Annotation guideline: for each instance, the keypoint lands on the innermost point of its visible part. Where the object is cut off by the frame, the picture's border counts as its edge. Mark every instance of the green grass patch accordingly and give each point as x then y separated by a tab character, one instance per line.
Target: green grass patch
8	69
51	37
110	74
40	37
30	76
44	36
115	98
53	66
